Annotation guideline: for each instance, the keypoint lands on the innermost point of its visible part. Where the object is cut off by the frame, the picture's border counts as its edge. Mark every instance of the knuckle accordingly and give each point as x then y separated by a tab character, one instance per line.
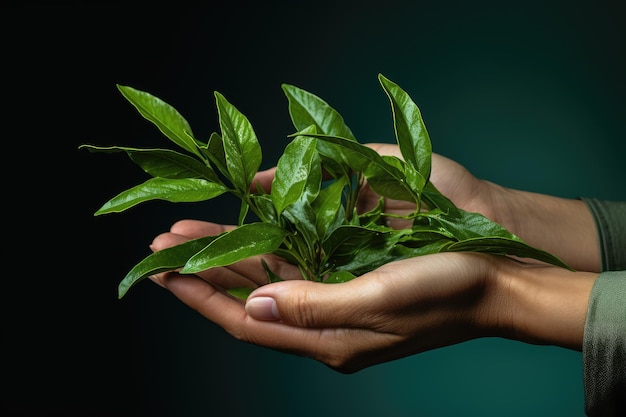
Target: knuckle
302	312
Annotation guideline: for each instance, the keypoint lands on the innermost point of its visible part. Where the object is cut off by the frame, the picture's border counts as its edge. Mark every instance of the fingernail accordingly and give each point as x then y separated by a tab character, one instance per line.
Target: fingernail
262	308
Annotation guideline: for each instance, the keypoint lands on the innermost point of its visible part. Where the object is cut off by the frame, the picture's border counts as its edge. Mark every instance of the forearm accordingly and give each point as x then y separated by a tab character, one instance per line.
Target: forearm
561	226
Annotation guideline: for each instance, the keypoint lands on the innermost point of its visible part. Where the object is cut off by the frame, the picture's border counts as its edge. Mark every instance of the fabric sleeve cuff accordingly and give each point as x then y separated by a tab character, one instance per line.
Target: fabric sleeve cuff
604	346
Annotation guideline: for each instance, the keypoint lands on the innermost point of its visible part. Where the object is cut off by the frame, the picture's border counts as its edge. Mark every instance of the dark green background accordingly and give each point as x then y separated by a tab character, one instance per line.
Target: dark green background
526	94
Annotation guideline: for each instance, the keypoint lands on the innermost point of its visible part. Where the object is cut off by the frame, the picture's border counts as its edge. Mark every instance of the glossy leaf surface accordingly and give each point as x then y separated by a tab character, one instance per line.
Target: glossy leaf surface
411	134
163	163
241	147
307	109
166	118
162	261
186	190
243	242
293	172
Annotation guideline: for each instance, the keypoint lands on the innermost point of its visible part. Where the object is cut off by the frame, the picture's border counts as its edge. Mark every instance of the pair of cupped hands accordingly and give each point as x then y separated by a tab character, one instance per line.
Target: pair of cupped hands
413	305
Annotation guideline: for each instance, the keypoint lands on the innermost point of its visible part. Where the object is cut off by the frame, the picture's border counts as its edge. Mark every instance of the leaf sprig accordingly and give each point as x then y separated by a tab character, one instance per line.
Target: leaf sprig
309	217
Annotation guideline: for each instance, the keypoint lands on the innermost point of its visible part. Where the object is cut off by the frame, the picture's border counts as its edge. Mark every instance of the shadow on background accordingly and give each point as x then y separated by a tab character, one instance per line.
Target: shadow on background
526	94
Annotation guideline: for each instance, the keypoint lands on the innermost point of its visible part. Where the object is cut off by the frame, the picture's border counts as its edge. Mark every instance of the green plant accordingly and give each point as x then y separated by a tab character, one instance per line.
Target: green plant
309	217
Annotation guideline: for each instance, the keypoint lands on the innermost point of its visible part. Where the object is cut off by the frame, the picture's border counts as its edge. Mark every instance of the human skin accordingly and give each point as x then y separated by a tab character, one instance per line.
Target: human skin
413	305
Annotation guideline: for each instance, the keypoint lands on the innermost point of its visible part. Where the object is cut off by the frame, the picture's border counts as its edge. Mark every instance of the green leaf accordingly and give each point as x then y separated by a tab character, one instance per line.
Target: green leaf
374	215
338	277
164	260
301	218
166	163
307	109
169	121
243	242
409	128
476	233
264	207
173	190
436	200
506	246
296	167
163	163
271	276
414	180
384	178
244	209
241	146
215	152
359	249
427	247
330	213
463	225
240	292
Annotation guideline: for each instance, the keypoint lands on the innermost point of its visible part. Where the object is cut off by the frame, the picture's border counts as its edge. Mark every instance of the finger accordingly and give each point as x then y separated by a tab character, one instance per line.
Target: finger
198	228
263	180
346	350
184	230
385	149
311	304
230	314
167	240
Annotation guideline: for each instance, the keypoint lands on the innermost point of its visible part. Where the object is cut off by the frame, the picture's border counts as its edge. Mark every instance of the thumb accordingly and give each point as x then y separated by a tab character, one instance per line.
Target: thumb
303	303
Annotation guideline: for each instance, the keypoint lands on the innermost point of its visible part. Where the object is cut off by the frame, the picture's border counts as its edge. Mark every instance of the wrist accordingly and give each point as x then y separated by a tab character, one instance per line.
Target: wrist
562	226
543	305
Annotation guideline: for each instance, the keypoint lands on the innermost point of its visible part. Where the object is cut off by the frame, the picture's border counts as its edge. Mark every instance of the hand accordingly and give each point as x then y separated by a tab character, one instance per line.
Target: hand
413	305
397	310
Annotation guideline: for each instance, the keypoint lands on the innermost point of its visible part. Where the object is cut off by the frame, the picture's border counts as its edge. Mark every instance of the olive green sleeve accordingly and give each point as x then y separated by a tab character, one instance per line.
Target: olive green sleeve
610	217
604	342
604	347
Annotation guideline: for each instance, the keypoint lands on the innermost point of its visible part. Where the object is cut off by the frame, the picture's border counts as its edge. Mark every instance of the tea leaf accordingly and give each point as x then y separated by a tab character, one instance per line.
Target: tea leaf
241	147
272	277
264	207
302	219
382	177
505	246
330	213
170	164
164	163
243	242
214	150
169	121
463	225
339	277
293	172
240	292
433	197
359	249
164	260
427	247
411	134
174	190
307	109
